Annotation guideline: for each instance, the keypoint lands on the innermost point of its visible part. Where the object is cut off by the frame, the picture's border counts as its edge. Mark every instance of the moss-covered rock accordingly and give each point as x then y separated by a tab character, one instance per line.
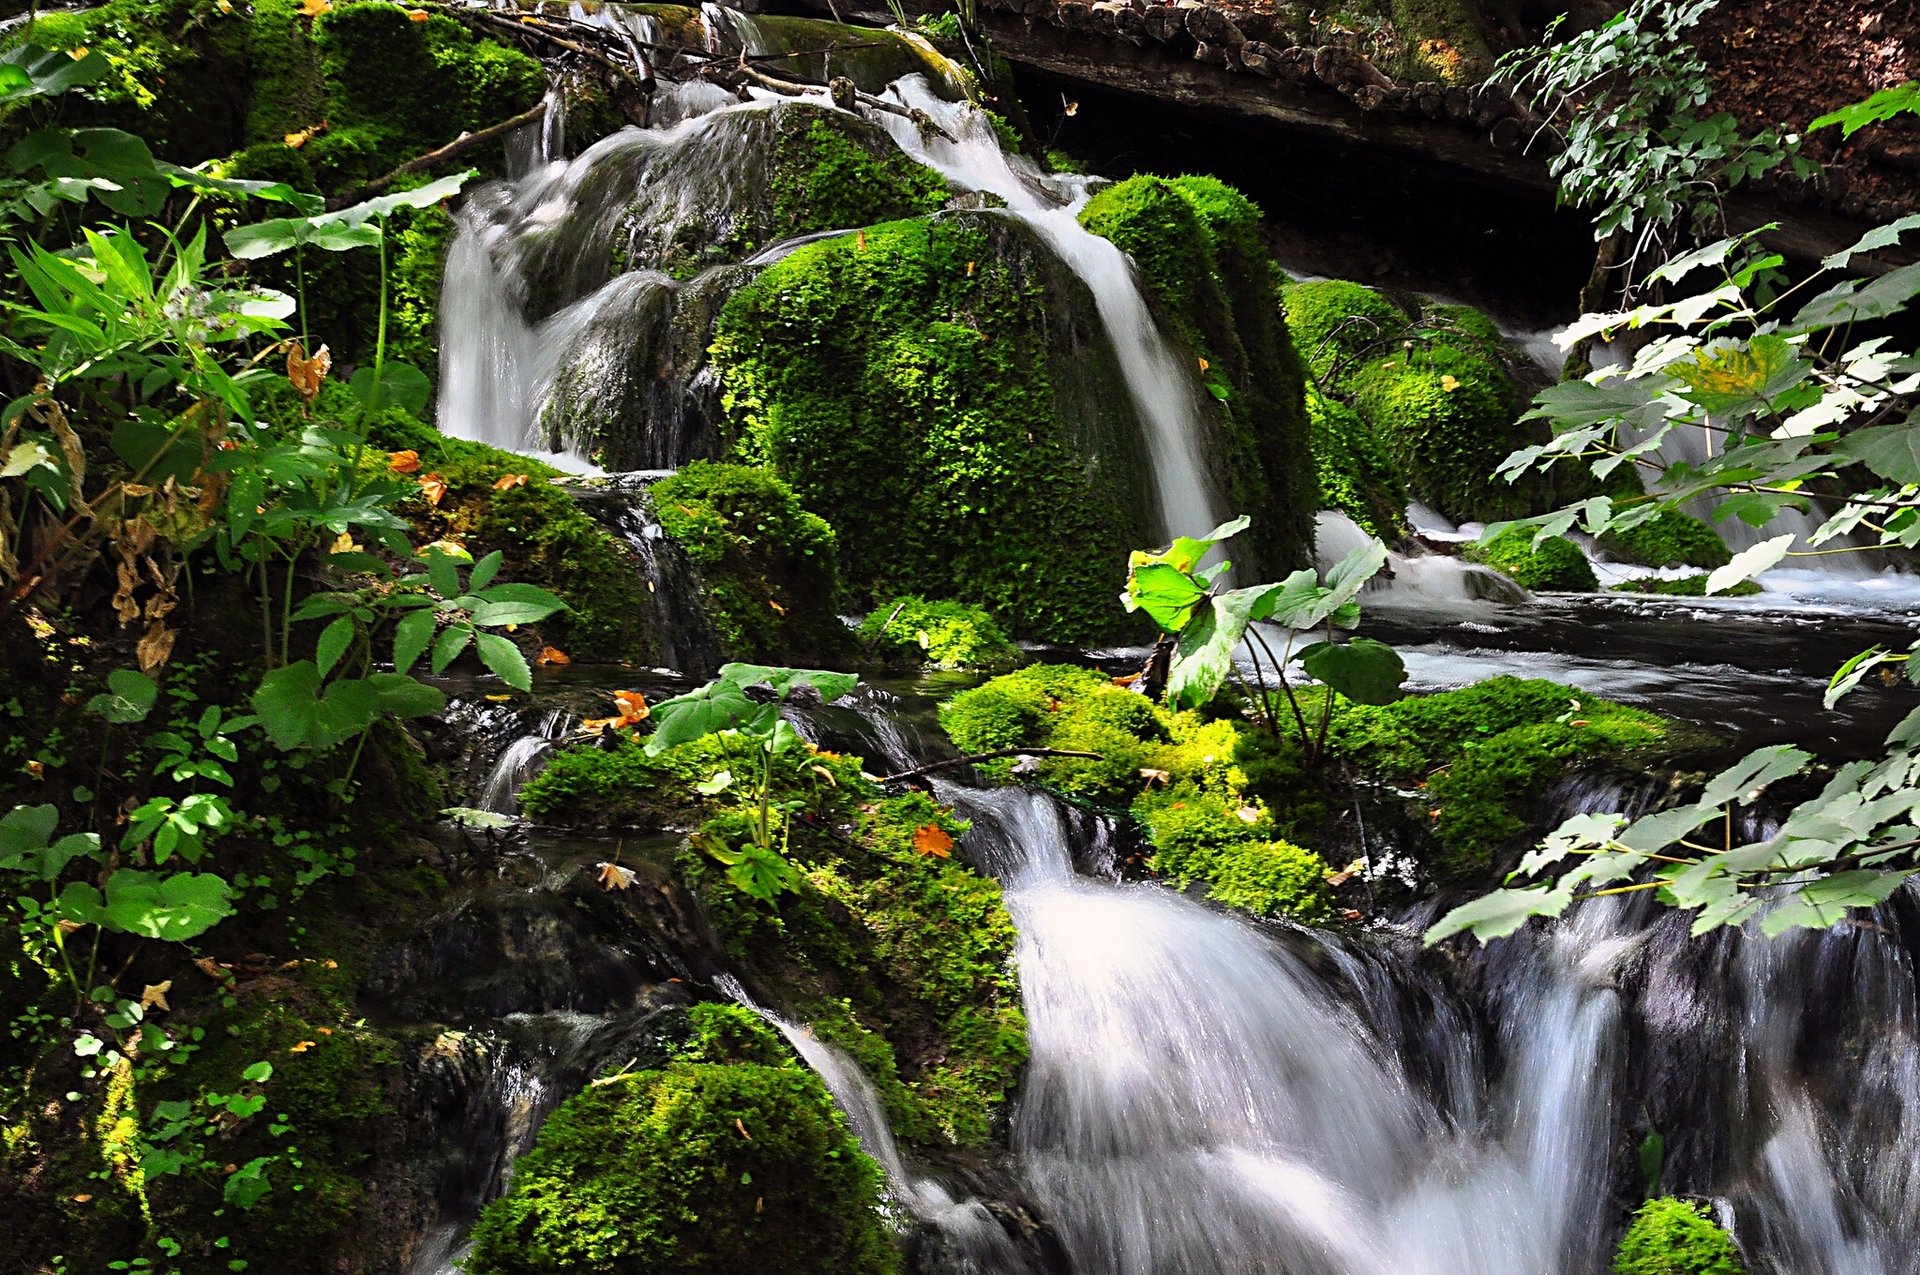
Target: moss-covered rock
1339	327
1197	243
695	1167
1691	586
1355	475
1670	1236
766	566
1556	563
1668	539
943	634
942	388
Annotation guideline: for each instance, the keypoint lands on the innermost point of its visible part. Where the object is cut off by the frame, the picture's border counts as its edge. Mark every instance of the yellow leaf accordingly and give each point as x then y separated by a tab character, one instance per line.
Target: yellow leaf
154	996
406	462
305	135
83	1198
553	655
614	877
417	15
970	266
345	543
314	8
301	1047
777	608
1204	365
434	488
499	699
76	55
860	241
1071	108
827	775
505	481
931	840
1449	383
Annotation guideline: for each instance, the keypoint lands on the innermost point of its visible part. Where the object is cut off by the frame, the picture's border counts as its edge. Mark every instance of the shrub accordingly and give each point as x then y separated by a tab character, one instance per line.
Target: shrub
943	634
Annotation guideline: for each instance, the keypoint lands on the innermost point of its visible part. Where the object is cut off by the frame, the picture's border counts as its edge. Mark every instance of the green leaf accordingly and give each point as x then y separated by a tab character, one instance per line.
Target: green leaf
1821	903
129	697
1203	657
443	572
1185	553
1729	377
333	643
485	570
405	696
718	706
398	385
504	658
506	604
288	705
1884	105
1891	451
27	70
828	685
384	206
1749	563
447	647
279	234
1746	778
1500	913
410	638
1363	670
1879	237
174	908
258	1073
26	842
1166	593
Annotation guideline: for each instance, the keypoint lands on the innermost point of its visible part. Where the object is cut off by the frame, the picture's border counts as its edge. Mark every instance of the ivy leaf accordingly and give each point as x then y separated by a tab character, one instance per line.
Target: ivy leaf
287	704
1203	657
1749	563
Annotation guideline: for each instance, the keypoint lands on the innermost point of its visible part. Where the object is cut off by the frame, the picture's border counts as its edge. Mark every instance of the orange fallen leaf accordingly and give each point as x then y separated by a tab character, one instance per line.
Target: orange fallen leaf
1204	365
633	706
777	608
300	1048
860	241
931	840
434	488
1347	873
314	8
417	15
970	267
37	769
154	996
83	1198
405	462
307	374
614	877
345	543
506	481
1449	384
553	655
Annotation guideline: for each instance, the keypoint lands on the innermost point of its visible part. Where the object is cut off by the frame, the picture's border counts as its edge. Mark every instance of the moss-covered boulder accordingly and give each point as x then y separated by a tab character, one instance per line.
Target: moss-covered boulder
766	566
1555	564
943	388
697	1167
1668	539
1671	1236
1355	475
1688	586
943	634
1197	244
1339	327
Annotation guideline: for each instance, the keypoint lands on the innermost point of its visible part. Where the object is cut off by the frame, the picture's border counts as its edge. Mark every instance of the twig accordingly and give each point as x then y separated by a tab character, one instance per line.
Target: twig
995	755
780	84
456	147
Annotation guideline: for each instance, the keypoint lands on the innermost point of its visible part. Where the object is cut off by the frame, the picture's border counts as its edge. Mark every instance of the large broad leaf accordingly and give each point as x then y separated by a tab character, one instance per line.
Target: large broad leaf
1168	595
398	385
27	844
1891	451
720	705
1185	553
276	235
1850	302
1203	657
1749	563
826	683
1363	670
129	697
27	70
383	206
173	908
288	705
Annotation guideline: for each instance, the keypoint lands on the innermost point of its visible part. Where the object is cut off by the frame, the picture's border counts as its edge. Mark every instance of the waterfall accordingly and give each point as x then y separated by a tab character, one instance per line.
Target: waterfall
686	642
520	761
1423	580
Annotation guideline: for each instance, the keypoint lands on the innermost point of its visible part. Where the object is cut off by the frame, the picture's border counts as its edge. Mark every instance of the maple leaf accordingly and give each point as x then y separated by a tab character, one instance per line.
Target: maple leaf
615	877
932	841
154	996
506	481
406	462
308	374
434	488
553	655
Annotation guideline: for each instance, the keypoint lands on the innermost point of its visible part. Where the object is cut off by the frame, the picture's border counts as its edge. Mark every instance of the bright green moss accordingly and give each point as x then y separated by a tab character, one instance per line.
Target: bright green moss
1354	474
904	380
693	1168
943	634
830	176
1673	1237
1555	564
1693	586
1058	706
1339	327
1272	878
618	787
1669	539
287	94
1059	161
766	566
1198	246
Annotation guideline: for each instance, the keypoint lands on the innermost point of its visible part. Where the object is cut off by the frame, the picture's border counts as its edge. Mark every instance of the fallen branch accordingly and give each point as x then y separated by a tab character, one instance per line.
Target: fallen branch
731	74
453	149
995	755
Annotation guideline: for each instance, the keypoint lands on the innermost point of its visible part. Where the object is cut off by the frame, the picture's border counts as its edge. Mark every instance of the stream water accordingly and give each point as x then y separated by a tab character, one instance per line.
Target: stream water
1211	1096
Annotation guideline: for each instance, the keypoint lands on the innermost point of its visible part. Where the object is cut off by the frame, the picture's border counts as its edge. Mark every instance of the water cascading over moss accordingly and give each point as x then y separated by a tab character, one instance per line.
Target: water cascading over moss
942	387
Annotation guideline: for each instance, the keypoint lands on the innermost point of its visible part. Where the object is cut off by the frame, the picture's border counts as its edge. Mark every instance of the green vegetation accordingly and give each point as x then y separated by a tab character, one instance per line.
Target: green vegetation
1554	564
1668	539
942	634
1693	586
908	379
1355	475
1197	243
698	1166
825	179
1674	1237
767	566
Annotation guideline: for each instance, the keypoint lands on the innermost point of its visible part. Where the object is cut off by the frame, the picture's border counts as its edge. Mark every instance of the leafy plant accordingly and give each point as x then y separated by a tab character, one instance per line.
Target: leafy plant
1206	625
743	708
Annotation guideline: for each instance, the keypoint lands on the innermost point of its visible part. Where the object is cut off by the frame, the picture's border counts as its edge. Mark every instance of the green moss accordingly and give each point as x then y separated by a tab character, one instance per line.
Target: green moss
1668	539
288	94
827	177
695	1167
1441	40
1198	245
1693	586
1059	161
904	379
943	634
1339	326
1673	1237
1555	564
618	787
1272	878
1354	474
767	566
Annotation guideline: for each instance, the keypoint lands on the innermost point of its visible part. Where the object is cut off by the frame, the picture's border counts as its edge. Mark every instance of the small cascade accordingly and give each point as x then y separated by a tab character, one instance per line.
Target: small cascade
974	1244
520	761
1427	580
686	640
